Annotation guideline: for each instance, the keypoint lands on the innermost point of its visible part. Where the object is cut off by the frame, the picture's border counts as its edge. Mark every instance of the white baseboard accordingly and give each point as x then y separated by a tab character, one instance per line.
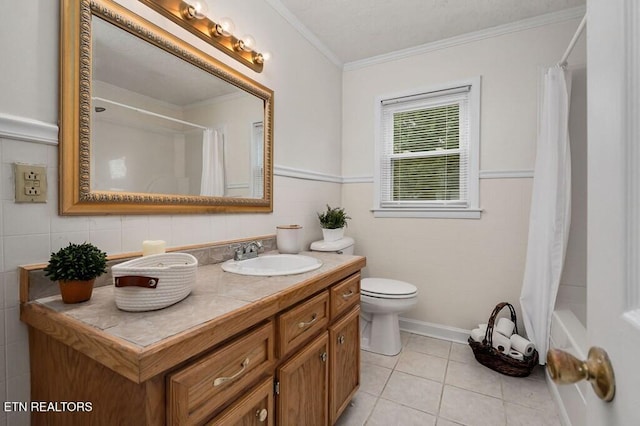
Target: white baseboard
438	331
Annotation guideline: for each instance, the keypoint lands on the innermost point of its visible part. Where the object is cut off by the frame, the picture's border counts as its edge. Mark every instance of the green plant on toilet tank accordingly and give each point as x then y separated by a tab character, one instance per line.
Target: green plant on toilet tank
76	267
333	218
333	221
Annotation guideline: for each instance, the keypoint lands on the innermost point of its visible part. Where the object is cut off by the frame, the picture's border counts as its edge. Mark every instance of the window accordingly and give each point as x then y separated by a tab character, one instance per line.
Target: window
427	146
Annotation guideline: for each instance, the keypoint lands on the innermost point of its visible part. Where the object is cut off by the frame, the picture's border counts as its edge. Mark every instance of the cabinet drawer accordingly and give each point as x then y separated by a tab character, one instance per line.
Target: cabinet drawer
199	389
302	322
344	295
254	408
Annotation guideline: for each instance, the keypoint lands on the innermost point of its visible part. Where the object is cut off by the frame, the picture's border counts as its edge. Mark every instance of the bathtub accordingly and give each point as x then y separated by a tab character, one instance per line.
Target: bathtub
569	333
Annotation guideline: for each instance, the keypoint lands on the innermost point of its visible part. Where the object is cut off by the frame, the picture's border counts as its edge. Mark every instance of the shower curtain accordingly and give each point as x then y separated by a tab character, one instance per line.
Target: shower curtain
212	182
550	214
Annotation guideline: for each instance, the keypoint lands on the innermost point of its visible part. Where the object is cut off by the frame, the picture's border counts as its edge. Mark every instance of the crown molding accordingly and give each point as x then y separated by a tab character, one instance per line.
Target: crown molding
28	130
305	32
524	24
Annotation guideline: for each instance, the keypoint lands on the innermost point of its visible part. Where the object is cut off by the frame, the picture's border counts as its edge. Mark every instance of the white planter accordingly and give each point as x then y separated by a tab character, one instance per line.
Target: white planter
332	234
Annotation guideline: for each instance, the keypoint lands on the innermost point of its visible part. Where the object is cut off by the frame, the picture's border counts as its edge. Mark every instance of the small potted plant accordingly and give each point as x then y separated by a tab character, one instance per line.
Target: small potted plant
76	268
333	221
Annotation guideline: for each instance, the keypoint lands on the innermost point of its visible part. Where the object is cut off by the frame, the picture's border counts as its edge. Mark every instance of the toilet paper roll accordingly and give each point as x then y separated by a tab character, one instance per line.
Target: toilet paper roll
505	327
501	343
516	355
477	335
522	345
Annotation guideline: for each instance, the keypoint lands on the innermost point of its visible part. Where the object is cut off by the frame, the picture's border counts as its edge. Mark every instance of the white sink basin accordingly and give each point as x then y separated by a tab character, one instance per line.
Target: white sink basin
270	265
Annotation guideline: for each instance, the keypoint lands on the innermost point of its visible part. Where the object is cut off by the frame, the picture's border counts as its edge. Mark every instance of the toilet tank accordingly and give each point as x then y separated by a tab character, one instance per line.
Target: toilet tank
341	246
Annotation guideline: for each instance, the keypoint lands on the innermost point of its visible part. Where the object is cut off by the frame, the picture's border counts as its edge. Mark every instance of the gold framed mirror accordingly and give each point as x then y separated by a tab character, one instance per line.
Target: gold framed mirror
151	125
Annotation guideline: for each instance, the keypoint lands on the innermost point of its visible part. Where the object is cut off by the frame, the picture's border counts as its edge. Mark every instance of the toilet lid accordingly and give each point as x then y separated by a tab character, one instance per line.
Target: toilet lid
383	287
336	245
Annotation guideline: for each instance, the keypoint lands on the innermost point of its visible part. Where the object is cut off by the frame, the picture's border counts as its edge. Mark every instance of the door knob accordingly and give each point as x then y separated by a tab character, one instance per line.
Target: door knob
565	369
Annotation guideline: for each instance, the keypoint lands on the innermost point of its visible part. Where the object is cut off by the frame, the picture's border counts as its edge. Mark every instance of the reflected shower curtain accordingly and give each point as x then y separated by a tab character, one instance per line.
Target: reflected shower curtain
550	215
212	183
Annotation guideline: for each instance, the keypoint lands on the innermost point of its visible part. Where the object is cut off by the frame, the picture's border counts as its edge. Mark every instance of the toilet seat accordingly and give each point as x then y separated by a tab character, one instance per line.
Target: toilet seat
384	288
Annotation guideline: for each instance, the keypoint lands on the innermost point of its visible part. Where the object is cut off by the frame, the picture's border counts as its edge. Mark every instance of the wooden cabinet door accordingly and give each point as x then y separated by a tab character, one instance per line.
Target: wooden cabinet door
344	356
304	386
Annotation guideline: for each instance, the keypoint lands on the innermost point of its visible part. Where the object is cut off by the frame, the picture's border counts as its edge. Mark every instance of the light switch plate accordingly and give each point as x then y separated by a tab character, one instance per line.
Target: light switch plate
31	183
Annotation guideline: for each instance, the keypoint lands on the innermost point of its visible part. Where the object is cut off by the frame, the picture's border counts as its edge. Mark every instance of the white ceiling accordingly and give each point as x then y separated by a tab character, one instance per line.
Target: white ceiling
353	30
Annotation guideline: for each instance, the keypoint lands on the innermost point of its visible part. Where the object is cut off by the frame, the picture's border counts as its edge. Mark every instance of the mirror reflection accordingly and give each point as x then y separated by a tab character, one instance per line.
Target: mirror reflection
161	125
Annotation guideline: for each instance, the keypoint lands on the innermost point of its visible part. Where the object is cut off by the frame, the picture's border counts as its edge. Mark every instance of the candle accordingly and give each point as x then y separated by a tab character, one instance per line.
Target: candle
153	247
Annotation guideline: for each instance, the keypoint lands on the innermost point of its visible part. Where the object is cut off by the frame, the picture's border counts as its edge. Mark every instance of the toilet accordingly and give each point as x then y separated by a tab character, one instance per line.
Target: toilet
381	300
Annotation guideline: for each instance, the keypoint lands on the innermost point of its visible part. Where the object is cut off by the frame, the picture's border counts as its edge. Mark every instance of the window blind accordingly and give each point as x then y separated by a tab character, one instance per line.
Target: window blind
425	150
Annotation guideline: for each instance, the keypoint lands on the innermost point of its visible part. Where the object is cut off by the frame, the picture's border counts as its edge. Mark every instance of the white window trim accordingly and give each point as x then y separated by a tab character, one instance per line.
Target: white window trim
472	211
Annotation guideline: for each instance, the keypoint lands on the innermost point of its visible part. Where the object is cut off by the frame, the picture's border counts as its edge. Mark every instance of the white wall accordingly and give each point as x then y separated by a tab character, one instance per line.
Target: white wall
462	268
303	81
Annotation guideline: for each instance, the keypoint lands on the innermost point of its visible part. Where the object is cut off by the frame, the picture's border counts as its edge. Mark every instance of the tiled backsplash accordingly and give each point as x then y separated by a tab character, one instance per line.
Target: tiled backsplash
41	286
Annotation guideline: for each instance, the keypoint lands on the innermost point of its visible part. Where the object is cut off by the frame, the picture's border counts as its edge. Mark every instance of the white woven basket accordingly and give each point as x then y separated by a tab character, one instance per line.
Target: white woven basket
168	278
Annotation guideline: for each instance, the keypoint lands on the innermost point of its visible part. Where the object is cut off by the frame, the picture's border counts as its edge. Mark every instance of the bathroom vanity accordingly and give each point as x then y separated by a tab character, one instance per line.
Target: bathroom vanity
239	350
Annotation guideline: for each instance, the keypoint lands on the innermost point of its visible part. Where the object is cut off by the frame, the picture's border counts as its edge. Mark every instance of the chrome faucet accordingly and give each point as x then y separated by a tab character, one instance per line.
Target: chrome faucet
247	250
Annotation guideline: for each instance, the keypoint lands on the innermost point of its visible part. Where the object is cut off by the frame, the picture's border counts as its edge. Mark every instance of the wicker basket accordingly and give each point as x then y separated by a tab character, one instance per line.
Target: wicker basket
153	282
490	357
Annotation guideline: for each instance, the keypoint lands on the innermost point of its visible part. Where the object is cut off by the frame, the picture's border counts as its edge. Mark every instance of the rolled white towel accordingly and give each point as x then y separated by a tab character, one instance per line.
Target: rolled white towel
482	327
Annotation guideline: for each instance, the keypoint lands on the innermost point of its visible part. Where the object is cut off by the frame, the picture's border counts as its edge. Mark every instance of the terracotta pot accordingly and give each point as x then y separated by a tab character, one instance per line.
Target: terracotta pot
76	291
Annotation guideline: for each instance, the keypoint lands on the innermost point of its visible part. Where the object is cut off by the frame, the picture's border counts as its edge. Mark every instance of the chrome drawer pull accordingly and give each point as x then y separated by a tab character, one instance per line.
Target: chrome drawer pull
348	295
221	380
262	415
303	324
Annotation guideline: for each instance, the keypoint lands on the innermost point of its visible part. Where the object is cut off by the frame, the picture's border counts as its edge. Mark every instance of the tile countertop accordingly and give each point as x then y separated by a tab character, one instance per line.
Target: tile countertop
215	294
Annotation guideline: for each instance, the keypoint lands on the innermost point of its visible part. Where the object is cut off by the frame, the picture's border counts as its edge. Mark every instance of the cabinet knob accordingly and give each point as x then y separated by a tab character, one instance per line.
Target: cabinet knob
323	357
262	415
341	339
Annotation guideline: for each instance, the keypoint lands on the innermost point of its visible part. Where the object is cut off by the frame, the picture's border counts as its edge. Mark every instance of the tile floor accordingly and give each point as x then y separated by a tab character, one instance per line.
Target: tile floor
435	382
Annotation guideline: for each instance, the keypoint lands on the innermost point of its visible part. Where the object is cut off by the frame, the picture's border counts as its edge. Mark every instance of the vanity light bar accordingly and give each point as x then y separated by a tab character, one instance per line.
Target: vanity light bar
184	14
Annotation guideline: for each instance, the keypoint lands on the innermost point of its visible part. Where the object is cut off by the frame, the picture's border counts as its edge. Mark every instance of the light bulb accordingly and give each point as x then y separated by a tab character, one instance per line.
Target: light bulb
197	9
261	58
227	26
249	43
